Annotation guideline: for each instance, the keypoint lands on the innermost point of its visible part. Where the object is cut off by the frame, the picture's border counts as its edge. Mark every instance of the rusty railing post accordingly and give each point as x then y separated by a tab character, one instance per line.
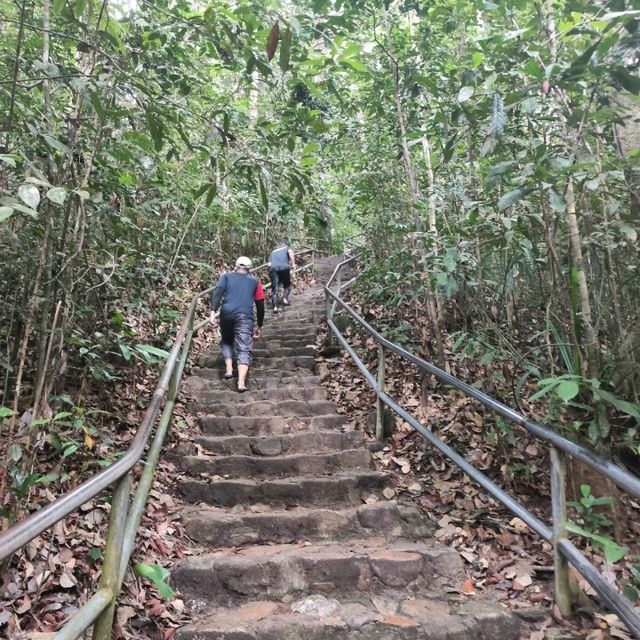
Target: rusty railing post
559	513
380	389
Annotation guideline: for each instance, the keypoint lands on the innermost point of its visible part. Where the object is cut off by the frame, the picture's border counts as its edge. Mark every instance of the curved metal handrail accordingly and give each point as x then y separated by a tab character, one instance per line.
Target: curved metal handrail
557	534
125	517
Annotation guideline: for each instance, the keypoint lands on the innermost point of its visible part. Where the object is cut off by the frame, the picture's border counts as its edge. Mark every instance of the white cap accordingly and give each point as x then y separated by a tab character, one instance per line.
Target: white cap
244	262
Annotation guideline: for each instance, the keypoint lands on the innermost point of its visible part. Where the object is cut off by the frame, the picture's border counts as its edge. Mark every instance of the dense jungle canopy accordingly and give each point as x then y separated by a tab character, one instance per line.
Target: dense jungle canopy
483	155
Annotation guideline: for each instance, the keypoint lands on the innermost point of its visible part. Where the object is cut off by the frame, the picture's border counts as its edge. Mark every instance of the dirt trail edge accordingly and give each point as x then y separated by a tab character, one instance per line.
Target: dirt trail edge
301	543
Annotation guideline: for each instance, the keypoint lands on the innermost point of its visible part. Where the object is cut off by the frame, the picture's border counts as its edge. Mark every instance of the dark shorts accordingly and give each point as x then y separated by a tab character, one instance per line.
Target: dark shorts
280	277
236	337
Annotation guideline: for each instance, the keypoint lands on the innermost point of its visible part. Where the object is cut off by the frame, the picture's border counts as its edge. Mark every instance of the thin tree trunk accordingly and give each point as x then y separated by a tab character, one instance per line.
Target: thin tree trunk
414	194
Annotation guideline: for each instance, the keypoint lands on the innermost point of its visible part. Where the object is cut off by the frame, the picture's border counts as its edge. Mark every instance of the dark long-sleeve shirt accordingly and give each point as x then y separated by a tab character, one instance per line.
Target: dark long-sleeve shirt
237	292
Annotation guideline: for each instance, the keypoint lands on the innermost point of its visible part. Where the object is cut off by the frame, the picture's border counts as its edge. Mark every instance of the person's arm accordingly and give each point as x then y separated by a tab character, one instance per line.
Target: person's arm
259	300
217	296
292	259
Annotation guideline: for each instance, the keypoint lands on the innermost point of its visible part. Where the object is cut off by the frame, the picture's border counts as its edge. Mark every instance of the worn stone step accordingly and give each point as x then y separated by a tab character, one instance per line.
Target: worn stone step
345	488
281	352
290	391
293	327
310	441
269	424
325	617
285	362
265	525
212	380
288	571
282	340
244	405
263	376
268	362
297	464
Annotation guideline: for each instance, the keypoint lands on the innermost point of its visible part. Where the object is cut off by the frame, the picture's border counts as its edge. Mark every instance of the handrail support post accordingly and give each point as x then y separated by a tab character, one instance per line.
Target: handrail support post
559	513
330	310
380	390
111	567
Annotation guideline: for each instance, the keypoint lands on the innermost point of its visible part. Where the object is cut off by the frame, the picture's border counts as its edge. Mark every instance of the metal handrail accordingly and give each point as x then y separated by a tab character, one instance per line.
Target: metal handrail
564	551
125	514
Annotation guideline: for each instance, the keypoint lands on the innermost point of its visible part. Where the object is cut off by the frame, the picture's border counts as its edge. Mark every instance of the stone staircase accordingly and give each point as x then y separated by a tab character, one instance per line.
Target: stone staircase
302	543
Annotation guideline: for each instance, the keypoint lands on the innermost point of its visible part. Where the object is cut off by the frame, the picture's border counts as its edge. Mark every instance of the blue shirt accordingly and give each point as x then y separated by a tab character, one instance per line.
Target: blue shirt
237	291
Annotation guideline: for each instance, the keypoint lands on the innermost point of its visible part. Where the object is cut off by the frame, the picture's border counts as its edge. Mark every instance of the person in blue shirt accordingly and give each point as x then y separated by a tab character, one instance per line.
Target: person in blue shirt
235	295
281	261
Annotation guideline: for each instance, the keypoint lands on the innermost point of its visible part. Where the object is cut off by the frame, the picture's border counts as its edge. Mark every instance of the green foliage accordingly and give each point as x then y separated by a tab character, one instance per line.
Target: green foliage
593	520
158	575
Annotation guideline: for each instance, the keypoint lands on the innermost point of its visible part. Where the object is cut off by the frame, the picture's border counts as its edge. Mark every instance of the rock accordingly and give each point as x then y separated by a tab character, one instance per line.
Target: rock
532	614
316	605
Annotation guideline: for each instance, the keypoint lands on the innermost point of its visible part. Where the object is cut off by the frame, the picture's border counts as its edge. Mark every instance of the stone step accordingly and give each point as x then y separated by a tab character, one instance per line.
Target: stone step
211	379
347	488
264	525
298	464
244	405
287	571
294	326
307	442
323	617
283	392
279	352
269	424
268	362
286	362
279	340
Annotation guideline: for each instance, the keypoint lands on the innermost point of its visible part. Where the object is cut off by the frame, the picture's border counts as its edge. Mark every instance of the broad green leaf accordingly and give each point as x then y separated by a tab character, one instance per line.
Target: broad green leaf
567	390
533	68
541	392
477	59
201	190
511	197
613	552
57	195
14	452
14	204
9	160
155	129
451	258
5	412
263	193
465	93
79	7
628	81
556	201
56	144
6	213
356	65
29	194
285	50
126	352
38	182
211	194
621	405
147	348
58	6
158	575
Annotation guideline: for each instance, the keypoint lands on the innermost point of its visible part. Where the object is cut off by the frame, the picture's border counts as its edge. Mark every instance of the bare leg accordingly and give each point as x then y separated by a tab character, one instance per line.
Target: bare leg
243	369
228	365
